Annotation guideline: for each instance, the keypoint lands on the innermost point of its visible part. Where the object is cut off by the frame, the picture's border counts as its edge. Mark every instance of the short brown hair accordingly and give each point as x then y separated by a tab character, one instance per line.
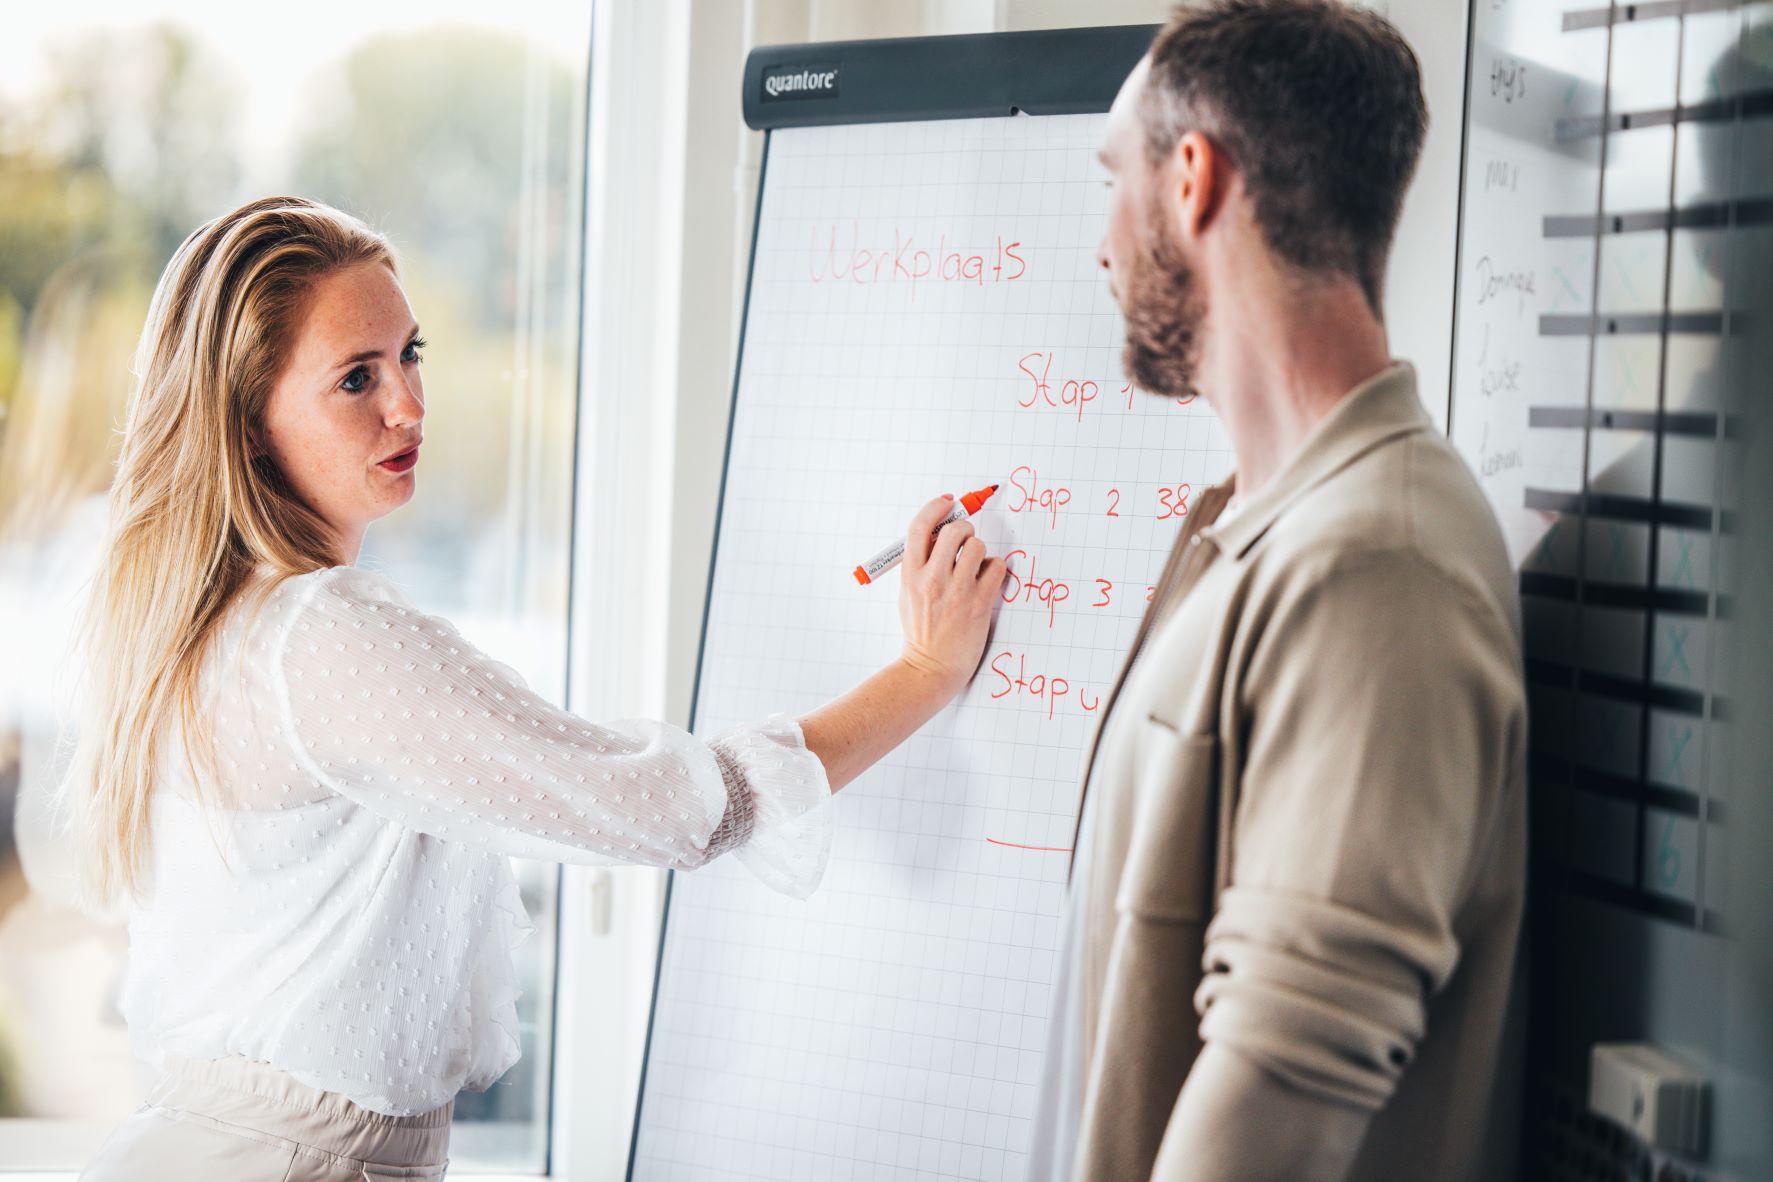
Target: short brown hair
1319	106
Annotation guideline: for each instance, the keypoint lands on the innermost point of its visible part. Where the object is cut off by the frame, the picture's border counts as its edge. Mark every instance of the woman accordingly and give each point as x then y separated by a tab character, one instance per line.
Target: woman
309	788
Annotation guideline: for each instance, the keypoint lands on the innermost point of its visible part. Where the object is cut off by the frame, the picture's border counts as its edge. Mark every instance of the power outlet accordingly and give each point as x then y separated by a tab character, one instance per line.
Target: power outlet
1660	1098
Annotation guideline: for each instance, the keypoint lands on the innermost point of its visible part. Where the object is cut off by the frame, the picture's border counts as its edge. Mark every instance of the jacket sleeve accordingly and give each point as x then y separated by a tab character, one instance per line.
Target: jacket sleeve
392	708
1383	713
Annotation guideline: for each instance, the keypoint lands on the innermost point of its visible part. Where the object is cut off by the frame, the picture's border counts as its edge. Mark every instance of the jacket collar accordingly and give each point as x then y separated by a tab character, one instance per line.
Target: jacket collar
1380	409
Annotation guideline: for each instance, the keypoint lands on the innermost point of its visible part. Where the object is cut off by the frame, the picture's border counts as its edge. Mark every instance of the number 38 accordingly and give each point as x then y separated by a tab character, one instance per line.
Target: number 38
1174	501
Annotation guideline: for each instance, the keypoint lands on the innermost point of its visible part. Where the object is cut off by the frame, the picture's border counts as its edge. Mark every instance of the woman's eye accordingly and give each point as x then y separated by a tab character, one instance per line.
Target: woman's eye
356	380
414	351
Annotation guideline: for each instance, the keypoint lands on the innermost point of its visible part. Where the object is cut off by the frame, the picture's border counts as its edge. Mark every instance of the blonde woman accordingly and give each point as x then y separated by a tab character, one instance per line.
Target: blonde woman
309	788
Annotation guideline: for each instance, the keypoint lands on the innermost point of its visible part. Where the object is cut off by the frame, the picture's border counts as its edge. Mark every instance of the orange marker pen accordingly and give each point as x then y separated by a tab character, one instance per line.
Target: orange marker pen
894	554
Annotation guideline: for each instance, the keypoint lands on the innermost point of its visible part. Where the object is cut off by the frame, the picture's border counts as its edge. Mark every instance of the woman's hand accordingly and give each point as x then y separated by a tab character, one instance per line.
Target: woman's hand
946	594
947	589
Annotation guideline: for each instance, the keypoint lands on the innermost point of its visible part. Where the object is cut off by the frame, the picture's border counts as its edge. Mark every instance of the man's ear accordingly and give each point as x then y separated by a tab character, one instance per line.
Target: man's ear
1197	183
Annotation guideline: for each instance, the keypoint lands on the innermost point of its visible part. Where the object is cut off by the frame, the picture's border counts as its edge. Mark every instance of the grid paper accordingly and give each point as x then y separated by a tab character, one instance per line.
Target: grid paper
893	1025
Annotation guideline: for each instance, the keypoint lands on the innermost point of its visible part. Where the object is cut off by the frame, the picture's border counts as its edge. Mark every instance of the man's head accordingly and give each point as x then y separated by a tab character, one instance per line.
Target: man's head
1285	127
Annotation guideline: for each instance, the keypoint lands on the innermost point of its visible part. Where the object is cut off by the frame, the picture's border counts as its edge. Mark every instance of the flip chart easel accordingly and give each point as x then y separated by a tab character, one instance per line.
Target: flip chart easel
924	314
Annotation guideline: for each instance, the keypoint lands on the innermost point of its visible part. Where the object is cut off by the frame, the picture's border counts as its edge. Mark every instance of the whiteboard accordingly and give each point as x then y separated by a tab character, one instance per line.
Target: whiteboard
1618	166
1589	382
926	315
1615	164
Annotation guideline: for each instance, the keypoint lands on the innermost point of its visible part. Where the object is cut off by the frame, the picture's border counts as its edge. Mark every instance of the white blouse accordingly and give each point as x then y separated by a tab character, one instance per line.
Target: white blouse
349	916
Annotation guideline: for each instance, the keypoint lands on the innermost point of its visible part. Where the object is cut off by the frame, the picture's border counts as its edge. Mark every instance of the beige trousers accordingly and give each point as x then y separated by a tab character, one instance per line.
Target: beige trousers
235	1120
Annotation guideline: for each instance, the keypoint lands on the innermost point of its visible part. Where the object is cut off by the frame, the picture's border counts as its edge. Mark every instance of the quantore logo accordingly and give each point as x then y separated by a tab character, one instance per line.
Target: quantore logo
799	82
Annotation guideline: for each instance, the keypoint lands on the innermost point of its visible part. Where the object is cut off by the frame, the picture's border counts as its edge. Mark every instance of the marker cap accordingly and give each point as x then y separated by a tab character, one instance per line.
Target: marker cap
975	500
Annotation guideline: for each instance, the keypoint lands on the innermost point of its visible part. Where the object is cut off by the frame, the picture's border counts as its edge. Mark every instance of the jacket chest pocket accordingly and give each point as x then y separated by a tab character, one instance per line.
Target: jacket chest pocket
1168	874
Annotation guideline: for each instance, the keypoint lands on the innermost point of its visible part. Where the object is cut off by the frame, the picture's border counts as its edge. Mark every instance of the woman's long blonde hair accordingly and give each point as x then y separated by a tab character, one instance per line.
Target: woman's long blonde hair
194	508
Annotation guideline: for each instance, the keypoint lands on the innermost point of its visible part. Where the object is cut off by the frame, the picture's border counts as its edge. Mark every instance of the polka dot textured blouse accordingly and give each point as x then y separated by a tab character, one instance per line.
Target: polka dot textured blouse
349	916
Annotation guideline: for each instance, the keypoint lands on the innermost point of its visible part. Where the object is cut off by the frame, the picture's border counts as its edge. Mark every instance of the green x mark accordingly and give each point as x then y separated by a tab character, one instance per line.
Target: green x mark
1677	772
1568	287
1677	652
1683	572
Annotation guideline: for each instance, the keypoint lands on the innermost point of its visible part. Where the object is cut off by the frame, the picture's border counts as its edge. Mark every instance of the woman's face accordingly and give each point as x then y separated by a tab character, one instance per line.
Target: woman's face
344	419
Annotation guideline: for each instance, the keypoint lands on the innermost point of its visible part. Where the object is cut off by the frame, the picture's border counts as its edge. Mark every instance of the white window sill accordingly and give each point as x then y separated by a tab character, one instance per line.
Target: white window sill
25	1142
62	1176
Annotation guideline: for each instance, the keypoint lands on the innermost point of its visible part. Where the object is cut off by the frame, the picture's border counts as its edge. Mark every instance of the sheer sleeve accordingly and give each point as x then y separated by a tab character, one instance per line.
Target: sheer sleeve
392	708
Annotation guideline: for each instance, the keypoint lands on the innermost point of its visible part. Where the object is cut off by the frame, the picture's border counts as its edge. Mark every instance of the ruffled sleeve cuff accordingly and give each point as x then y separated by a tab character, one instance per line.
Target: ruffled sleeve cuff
778	817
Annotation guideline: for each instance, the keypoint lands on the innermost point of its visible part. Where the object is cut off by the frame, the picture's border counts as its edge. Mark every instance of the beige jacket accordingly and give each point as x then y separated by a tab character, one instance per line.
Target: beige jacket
1310	810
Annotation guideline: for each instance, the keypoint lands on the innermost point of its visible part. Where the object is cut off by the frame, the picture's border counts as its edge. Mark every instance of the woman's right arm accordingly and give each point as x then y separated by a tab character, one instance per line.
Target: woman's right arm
393	708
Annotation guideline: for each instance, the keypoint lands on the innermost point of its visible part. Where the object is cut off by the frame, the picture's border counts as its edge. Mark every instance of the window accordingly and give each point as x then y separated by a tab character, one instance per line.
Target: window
458	130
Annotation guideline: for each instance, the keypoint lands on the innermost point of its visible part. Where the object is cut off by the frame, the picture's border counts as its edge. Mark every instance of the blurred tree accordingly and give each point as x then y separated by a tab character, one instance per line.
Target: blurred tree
460	144
12	329
61	435
49	212
124	149
430	137
155	113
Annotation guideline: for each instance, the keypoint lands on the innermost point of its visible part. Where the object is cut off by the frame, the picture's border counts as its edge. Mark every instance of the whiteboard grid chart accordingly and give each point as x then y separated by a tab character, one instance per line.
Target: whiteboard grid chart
926	315
1613	242
1591	390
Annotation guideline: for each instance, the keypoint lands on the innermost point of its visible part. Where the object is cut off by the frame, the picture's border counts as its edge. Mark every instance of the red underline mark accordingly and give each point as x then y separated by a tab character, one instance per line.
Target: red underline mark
1045	849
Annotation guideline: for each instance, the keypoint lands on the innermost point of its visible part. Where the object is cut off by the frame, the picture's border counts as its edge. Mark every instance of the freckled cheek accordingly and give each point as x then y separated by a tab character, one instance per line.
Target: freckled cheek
328	453
298	454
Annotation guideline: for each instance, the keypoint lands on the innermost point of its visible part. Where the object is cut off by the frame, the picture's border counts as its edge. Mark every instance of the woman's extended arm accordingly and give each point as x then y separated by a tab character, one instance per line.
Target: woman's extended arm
392	708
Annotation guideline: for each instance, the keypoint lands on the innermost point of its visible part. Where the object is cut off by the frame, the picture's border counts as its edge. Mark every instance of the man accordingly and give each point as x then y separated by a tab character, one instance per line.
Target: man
1299	876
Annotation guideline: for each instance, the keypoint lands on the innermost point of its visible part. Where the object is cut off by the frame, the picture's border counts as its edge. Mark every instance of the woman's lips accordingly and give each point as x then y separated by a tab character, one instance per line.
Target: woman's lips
402	462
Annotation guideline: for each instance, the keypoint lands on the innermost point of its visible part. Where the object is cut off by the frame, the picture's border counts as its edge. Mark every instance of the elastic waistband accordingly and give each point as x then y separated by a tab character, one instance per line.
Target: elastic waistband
258	1096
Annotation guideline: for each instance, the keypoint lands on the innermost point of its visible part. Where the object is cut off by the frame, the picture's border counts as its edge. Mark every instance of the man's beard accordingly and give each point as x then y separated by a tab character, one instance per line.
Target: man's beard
1164	312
